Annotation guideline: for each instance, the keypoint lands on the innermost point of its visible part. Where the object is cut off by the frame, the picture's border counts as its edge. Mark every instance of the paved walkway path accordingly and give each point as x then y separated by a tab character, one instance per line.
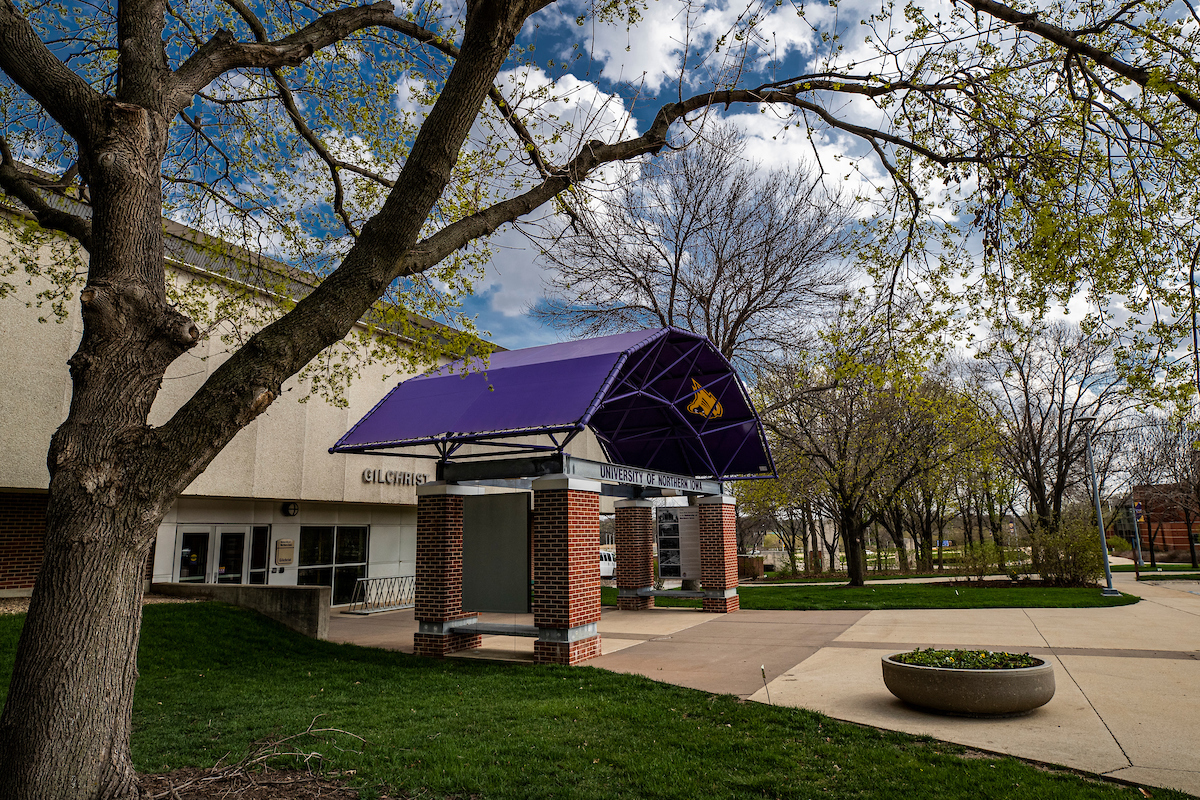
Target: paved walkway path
1127	703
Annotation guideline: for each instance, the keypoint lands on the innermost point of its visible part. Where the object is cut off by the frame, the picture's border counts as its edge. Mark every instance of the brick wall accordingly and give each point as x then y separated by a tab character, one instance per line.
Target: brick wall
635	553
566	653
718	554
1173	535
438	585
566	574
22	532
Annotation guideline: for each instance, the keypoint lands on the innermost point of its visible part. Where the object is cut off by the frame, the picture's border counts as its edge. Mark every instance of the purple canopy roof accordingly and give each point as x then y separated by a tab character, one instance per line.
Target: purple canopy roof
662	399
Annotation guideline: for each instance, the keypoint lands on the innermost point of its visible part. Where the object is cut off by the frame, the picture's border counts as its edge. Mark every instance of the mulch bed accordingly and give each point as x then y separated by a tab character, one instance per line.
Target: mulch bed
269	784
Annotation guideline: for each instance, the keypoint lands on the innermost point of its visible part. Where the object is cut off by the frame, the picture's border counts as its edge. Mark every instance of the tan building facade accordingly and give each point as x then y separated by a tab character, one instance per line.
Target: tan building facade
274	507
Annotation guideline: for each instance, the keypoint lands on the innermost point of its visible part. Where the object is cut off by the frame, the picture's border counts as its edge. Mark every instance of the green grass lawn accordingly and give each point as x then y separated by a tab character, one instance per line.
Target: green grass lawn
1169	576
214	679
899	595
1146	567
842	577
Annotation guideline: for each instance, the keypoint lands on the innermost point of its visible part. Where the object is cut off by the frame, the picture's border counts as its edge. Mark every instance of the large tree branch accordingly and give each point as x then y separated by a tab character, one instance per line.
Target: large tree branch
25	58
142	70
17	184
1072	43
594	154
327	30
223	53
298	121
253	377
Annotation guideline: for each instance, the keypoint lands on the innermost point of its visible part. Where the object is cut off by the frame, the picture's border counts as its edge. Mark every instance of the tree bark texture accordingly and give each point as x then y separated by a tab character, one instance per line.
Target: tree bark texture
65	730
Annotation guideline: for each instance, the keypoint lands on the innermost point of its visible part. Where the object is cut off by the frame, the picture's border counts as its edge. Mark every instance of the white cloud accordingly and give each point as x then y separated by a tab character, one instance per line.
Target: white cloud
513	275
651	54
566	111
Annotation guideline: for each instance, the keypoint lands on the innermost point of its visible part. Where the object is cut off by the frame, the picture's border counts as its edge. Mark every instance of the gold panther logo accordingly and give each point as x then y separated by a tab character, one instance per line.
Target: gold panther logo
704	402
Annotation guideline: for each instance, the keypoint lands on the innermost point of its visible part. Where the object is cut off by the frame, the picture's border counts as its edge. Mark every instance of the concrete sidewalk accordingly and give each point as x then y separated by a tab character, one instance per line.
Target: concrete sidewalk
1127	703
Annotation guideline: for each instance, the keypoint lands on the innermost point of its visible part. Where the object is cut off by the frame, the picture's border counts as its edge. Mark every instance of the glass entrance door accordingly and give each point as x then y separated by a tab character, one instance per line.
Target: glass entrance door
223	553
231	556
260	538
193	555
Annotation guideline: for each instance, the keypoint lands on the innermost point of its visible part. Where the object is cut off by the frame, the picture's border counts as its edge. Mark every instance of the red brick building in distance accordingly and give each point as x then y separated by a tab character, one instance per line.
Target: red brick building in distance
1163	511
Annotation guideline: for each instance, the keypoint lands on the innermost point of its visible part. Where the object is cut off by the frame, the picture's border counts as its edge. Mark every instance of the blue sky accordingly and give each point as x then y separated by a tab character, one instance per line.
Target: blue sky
617	76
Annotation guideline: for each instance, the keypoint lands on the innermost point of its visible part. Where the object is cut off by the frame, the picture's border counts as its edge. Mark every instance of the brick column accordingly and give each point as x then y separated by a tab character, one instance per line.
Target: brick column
22	537
438	590
566	569
718	553
635	553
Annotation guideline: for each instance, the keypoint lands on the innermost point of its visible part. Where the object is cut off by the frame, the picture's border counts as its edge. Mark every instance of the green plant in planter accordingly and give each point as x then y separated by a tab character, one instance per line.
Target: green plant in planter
967	659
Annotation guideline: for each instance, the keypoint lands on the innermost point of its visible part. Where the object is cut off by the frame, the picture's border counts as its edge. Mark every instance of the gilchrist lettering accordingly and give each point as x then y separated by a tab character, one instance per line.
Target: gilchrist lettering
393	477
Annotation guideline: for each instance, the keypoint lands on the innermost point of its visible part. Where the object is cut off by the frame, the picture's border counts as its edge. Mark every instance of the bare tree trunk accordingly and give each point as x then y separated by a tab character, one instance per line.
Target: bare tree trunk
878	549
806	533
80	648
64	732
1187	518
853	544
831	547
1150	535
893	523
968	539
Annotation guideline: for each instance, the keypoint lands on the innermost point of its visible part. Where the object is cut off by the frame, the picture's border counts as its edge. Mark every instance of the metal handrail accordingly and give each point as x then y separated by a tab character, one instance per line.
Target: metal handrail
373	595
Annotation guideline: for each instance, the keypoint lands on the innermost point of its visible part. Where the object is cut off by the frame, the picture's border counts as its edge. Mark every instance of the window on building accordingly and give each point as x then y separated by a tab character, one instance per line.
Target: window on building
333	556
260	537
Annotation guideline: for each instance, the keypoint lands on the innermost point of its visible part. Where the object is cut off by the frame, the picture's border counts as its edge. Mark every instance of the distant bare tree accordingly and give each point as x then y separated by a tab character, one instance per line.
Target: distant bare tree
1183	469
1163	463
706	242
1147	447
867	414
1041	380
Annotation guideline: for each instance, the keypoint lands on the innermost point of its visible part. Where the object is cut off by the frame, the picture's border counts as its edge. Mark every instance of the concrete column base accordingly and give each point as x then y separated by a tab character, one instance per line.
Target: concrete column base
566	653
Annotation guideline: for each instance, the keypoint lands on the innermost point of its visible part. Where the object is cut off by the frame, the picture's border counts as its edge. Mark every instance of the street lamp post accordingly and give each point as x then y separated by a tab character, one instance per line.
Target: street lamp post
1087	423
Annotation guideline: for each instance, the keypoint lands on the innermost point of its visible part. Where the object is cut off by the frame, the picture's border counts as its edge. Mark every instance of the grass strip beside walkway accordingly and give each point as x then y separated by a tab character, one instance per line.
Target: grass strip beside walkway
1169	576
217	678
1168	567
899	595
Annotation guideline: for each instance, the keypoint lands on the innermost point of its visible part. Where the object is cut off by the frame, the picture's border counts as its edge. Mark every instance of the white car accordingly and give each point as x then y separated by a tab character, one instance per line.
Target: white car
608	564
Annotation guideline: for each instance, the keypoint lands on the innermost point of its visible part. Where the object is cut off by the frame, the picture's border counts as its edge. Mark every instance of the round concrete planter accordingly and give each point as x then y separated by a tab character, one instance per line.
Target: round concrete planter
971	692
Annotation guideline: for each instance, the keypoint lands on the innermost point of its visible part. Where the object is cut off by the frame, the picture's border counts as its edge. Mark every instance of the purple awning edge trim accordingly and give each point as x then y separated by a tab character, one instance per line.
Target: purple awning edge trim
463	438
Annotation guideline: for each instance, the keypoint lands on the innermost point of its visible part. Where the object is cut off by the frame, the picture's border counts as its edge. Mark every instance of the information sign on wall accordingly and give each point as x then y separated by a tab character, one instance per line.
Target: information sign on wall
679	542
285	552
